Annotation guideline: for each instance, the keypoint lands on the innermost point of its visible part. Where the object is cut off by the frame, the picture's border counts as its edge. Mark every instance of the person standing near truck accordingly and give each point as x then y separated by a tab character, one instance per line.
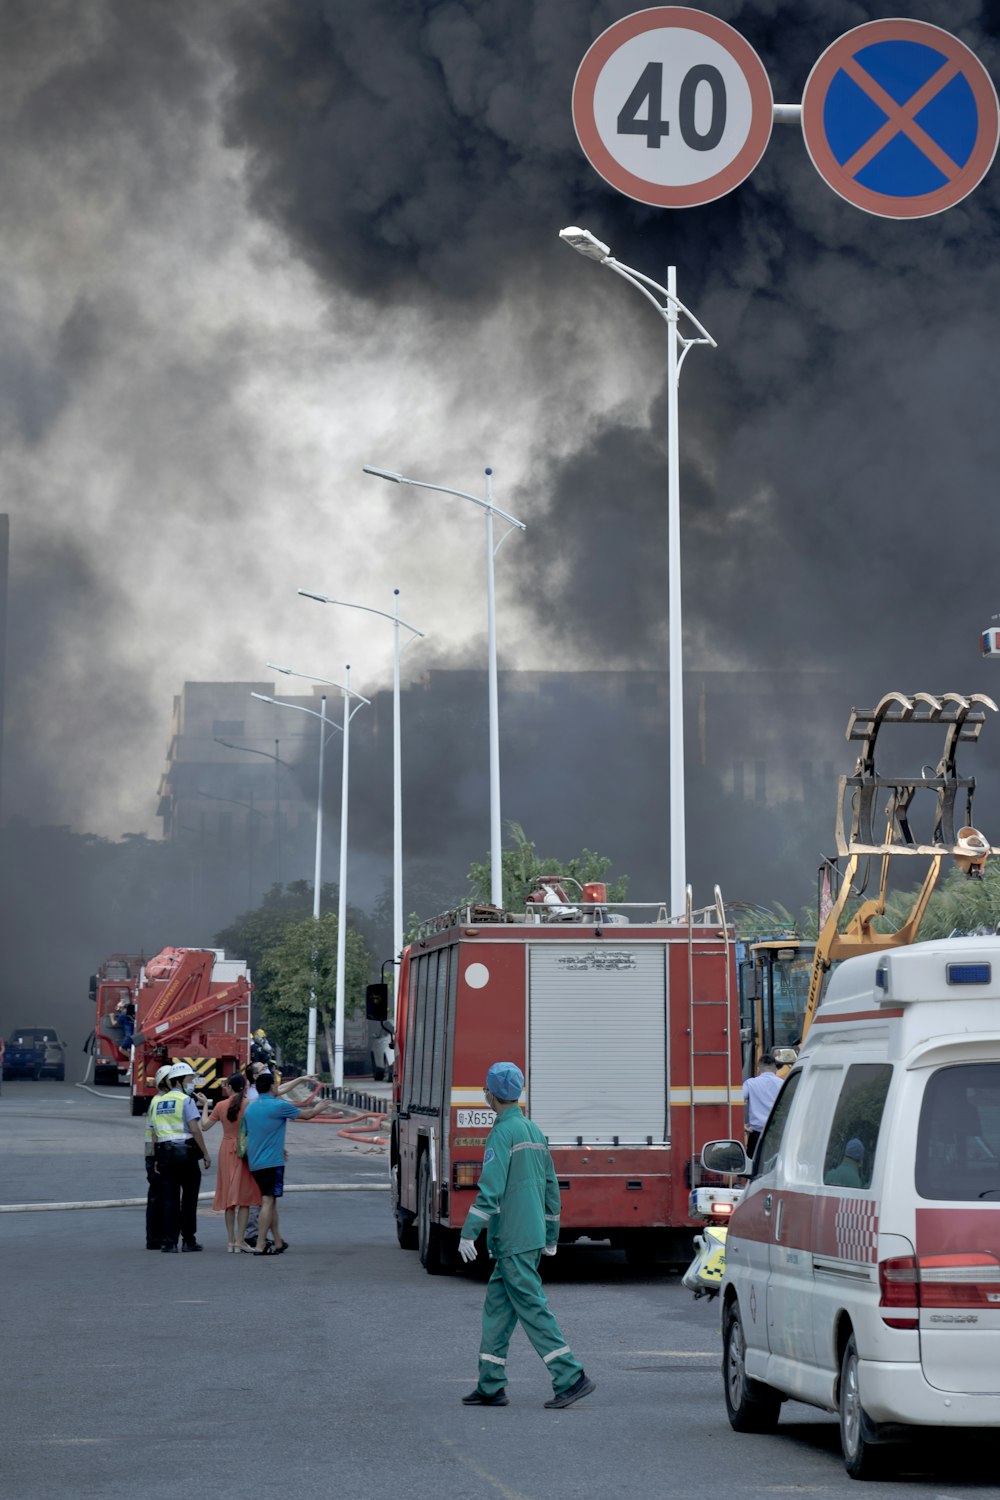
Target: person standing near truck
154	1188
179	1147
517	1202
759	1095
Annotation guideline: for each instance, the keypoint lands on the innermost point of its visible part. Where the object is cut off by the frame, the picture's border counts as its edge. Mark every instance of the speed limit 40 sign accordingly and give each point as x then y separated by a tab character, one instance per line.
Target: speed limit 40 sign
672	107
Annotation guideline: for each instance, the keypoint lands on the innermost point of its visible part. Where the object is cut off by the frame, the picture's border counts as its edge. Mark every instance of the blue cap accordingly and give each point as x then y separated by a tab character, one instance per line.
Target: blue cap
505	1082
855	1149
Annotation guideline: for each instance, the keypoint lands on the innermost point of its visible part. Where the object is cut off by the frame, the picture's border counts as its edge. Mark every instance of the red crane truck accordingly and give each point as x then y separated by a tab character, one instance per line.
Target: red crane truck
193	1006
626	1025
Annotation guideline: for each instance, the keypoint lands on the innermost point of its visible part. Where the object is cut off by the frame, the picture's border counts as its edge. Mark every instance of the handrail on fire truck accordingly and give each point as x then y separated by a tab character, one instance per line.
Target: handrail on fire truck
604	913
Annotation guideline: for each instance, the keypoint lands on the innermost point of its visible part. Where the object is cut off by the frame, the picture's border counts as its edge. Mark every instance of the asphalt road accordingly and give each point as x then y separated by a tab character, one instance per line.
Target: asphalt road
336	1370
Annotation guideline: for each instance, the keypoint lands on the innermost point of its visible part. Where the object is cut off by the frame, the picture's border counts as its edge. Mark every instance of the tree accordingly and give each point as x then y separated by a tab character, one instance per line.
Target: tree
303	962
521	868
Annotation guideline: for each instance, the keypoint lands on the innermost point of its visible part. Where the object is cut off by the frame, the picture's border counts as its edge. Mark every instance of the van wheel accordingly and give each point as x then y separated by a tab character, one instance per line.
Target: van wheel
863	1457
751	1405
430	1236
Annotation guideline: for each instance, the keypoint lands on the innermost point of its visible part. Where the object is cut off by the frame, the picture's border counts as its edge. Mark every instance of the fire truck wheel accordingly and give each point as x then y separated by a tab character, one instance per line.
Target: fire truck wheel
406	1229
139	1104
750	1405
641	1250
430	1236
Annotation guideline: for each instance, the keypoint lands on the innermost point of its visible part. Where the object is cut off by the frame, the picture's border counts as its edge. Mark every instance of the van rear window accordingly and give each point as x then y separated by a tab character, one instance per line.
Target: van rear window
958	1139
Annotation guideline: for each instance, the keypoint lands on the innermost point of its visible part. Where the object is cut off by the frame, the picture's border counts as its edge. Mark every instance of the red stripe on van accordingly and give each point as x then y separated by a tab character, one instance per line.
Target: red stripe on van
949	1231
859	1015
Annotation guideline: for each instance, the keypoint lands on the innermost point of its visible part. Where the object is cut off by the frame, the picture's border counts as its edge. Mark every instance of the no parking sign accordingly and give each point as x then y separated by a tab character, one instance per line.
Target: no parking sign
900	118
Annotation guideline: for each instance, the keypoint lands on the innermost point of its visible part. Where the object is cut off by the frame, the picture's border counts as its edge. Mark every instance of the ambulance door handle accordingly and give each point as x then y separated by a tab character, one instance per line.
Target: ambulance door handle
777	1219
767	1203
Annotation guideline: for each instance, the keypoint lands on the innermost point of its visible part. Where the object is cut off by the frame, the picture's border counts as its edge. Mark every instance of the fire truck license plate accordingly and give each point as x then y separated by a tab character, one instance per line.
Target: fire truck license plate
471	1117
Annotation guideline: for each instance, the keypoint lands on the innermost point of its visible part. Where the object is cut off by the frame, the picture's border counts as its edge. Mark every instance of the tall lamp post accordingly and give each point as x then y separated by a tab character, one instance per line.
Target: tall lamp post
249	750
513	524
677	347
397	771
349	712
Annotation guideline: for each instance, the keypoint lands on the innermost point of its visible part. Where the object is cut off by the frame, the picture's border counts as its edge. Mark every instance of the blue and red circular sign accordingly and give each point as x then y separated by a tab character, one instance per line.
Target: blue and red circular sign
900	118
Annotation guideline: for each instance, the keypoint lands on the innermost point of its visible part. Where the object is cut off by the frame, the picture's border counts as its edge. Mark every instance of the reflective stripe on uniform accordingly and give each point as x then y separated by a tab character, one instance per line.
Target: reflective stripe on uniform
479	1214
493	1359
556	1354
528	1146
553	1218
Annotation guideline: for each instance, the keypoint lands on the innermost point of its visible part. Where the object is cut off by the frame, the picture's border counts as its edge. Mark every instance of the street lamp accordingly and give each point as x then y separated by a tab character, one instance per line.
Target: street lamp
349	712
249	750
669	310
397	772
513	524
254	813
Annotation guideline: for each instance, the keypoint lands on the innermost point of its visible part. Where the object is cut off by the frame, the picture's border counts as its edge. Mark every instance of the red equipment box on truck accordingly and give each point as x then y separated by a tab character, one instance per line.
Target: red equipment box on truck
628	1036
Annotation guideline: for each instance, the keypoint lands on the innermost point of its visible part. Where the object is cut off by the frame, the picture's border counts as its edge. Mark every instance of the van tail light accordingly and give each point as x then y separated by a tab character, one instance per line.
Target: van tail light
970	1279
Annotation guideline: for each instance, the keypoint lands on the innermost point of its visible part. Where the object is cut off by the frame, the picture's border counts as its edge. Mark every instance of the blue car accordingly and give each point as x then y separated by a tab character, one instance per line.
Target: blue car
34	1051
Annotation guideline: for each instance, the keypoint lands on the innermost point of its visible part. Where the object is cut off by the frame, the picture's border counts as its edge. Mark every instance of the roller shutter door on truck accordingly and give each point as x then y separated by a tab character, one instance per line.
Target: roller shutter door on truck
597	1042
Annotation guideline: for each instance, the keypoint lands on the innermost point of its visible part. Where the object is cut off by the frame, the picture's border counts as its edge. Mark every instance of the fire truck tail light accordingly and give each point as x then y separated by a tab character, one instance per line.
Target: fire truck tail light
723	1210
936	1281
466	1174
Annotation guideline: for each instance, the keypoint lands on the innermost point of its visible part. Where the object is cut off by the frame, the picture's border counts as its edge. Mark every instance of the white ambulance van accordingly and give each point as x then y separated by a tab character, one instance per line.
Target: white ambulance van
863	1263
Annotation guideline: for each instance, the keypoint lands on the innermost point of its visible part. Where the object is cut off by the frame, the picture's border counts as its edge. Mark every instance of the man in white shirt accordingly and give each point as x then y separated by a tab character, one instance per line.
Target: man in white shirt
759	1095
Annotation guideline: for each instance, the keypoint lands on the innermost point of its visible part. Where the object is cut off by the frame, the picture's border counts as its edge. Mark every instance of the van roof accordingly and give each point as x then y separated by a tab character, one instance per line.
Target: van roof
882	999
948	969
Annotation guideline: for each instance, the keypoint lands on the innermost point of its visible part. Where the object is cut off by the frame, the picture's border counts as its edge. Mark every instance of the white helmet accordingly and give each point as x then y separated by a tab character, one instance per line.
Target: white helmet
161	1074
181	1070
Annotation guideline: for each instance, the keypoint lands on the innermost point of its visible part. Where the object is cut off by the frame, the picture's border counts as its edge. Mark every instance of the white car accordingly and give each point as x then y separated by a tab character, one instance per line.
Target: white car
384	1052
862	1267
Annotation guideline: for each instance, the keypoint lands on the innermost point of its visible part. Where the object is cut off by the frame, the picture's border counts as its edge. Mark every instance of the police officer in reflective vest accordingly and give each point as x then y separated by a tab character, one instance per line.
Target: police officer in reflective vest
154	1190
179	1147
518	1204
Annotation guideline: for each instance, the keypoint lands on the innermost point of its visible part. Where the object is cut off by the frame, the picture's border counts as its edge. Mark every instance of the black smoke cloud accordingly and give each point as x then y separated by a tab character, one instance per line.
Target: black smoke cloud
838	448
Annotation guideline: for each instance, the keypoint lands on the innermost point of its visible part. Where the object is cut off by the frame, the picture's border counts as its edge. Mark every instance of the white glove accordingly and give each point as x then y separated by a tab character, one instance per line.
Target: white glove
549	1249
467	1249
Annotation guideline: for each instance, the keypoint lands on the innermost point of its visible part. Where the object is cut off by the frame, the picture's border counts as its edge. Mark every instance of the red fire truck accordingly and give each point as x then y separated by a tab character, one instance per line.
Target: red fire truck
116	981
193	1006
626	1026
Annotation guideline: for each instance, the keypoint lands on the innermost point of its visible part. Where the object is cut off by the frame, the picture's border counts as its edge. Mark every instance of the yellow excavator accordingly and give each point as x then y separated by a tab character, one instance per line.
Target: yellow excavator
865	799
871	795
782	978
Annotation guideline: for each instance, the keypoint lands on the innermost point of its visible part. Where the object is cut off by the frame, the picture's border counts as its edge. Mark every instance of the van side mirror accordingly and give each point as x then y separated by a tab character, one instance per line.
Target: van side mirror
93	986
377	1002
728	1158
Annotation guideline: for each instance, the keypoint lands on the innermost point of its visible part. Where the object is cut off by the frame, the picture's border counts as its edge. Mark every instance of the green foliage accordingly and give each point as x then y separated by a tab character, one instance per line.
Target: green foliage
250	934
303	962
755	924
521	867
958	905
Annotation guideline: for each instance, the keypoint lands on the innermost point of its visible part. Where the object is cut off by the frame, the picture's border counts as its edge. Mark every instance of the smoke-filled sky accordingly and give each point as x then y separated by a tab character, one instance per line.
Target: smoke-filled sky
247	247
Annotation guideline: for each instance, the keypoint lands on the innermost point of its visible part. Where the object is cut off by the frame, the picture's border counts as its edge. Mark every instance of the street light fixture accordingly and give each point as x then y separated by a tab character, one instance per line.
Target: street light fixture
513	524
250	750
254	813
349	712
669	309
397	772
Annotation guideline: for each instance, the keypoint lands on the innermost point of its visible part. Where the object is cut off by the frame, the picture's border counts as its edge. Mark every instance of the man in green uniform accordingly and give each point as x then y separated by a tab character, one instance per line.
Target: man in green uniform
518	1205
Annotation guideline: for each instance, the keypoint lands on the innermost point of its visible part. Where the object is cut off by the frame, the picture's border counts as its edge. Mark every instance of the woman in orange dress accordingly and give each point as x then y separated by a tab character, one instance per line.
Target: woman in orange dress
235	1189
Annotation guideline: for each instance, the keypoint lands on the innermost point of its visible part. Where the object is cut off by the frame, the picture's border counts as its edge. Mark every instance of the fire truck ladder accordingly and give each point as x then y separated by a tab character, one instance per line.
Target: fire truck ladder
718	911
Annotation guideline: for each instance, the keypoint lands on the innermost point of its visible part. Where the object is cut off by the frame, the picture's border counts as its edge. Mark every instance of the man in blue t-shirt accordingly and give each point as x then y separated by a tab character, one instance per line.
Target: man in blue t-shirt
265	1118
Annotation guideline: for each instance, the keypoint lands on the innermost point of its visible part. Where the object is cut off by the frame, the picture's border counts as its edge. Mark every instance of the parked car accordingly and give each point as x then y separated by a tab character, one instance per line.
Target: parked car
34	1051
